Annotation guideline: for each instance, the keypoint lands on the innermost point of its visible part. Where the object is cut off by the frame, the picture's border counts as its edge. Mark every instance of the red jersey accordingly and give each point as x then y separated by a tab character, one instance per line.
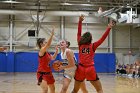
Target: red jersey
44	63
87	51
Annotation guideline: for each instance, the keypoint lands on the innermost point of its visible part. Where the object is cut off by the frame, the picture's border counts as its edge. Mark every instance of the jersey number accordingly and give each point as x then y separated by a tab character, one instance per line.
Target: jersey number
86	50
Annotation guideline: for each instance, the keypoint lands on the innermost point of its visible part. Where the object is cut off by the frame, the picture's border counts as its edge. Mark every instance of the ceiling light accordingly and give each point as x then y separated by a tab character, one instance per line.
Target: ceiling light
10	1
77	4
66	4
88	0
86	4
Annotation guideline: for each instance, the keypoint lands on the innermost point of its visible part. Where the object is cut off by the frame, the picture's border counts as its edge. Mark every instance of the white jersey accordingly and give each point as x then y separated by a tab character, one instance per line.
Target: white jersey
69	72
64	56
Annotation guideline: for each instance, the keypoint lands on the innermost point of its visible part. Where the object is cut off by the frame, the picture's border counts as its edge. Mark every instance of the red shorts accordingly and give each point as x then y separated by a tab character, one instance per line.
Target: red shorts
87	72
47	77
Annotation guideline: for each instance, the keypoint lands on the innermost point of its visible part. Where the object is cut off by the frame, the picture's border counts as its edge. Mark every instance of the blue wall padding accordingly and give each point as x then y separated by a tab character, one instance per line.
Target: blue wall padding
28	62
112	62
76	55
10	61
3	62
105	62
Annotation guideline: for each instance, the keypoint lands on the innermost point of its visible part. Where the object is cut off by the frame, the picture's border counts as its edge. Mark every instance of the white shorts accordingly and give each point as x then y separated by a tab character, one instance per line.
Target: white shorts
70	72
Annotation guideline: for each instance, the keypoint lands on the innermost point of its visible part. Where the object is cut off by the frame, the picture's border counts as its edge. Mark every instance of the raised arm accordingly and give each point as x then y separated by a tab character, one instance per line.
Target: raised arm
101	40
81	18
48	44
55	54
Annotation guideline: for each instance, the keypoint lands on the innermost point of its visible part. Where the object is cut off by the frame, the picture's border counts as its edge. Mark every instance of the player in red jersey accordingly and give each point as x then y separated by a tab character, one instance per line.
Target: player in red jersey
44	73
83	85
86	69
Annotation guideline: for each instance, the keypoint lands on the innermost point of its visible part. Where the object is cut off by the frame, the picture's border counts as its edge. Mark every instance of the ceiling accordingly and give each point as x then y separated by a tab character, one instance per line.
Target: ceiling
63	7
23	7
66	5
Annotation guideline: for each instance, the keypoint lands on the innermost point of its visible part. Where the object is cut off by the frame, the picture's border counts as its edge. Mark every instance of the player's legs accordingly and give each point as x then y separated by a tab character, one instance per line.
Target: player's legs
68	75
66	83
52	88
77	85
83	87
79	78
47	81
93	78
97	85
44	86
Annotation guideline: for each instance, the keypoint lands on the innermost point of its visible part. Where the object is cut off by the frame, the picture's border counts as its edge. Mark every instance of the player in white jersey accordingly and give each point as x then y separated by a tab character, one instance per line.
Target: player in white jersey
69	66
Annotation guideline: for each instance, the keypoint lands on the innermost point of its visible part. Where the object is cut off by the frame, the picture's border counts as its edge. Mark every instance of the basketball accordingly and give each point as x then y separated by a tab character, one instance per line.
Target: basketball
56	65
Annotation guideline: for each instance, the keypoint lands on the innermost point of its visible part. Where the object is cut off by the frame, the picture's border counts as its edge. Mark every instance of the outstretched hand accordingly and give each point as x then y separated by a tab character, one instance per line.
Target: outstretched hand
56	48
111	23
81	18
53	30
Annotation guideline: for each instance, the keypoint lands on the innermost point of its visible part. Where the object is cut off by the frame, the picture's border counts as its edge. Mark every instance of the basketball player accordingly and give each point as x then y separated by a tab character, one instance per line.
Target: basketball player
44	73
86	69
83	86
69	66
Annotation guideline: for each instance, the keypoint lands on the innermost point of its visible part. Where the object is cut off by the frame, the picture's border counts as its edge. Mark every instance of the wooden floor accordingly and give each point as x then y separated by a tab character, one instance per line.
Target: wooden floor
26	83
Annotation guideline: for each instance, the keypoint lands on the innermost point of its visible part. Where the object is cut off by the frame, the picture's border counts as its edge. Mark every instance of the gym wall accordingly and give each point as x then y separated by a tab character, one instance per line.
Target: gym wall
28	62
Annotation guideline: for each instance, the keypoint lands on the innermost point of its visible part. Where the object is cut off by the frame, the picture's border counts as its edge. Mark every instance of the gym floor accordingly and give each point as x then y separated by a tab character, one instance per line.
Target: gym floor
27	83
